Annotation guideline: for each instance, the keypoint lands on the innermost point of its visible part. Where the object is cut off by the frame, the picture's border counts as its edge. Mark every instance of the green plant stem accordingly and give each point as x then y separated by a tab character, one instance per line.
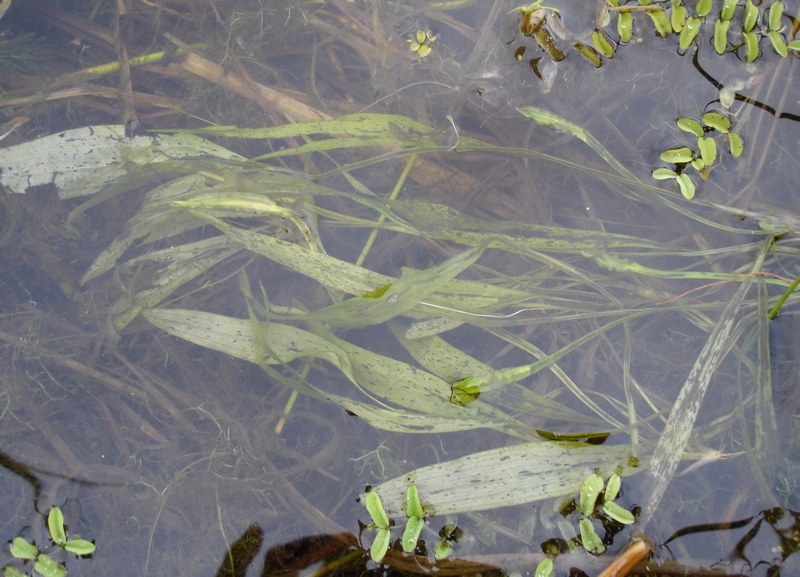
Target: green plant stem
397	188
773	312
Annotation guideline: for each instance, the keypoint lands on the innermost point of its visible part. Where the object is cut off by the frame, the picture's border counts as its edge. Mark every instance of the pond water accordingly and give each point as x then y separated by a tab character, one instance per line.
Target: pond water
207	363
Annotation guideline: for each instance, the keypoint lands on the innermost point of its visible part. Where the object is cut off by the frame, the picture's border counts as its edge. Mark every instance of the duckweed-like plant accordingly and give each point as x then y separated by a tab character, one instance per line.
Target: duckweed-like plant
47	564
739	28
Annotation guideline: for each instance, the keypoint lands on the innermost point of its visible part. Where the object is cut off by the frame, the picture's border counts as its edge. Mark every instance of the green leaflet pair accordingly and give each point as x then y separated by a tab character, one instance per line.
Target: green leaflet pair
415	522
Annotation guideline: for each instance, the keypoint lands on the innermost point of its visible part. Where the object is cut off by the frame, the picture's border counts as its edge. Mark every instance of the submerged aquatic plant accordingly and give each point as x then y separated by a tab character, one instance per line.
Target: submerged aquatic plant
418	307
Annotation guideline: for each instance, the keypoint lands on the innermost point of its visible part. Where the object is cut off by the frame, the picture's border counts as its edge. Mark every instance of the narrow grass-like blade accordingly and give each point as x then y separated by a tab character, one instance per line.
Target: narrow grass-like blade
684	412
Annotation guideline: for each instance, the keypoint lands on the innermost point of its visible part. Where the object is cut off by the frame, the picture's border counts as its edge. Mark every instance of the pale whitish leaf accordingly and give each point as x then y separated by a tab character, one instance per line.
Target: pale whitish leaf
451	364
421	402
367	125
440	221
340	275
506	476
403	295
234	337
682	417
155	221
85	160
333	273
169	269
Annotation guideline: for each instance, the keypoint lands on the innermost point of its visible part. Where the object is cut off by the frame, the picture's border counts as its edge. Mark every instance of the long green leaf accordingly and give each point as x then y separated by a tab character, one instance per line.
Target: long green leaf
402	397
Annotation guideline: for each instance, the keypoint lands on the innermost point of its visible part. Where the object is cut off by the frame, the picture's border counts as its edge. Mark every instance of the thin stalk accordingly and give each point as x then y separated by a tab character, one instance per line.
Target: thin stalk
396	191
773	312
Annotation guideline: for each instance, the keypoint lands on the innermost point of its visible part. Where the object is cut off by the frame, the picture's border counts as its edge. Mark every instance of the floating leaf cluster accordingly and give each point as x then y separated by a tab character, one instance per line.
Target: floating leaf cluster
415	523
591	489
739	28
43	563
704	156
422	43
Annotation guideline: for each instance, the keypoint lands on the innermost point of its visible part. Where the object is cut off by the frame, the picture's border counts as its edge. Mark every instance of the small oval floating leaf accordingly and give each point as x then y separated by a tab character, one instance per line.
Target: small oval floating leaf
703	7
727	96
750	16
413	505
708	150
698	163
775	15
686	185
777	43
55	523
677	155
589	53
717	121
80	547
376	510
591	542
678	17
660	22
728	7
544	568
603	43
619	514
735	144
690	30
380	545
9	571
751	46
625	27
590	489
47	567
721	28
613	485
793	45
442	550
21	549
691	126
411	534
664	173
